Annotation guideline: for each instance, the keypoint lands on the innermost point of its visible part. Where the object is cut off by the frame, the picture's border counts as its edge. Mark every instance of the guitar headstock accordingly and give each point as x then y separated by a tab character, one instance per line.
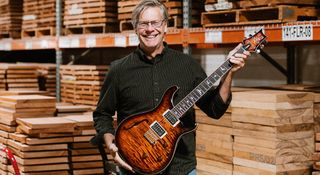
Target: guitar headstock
255	42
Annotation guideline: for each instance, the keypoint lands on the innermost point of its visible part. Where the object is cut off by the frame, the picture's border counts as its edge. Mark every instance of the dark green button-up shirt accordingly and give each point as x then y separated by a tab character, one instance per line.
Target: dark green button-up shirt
135	84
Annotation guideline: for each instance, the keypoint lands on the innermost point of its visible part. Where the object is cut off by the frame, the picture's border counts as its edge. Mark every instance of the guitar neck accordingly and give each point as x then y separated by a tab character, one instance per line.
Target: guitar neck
187	102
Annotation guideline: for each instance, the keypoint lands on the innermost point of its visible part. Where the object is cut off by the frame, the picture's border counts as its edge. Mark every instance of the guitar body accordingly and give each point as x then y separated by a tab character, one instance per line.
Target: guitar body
140	147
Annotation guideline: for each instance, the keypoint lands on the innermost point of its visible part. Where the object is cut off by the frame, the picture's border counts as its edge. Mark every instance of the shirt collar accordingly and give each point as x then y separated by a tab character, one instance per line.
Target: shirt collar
157	58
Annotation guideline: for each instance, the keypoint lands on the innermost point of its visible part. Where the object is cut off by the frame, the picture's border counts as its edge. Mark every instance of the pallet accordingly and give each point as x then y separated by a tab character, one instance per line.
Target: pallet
91	28
10	34
38	32
90	16
260	3
258	15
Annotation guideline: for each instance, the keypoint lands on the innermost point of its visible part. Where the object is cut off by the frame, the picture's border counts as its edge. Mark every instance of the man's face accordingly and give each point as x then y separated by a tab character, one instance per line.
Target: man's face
151	28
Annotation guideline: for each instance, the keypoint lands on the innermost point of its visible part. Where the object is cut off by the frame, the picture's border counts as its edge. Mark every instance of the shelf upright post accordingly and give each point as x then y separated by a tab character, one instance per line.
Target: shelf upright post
186	22
58	50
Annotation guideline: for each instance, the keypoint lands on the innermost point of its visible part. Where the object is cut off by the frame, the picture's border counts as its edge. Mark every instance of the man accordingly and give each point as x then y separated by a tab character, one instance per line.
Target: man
136	83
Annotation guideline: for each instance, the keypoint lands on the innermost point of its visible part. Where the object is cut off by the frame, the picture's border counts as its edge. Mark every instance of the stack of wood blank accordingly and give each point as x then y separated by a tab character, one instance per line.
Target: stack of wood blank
84	157
29	18
2	78
24	106
11	18
41	144
47	78
94	16
214	144
316	156
80	84
21	77
125	8
273	132
66	109
39	18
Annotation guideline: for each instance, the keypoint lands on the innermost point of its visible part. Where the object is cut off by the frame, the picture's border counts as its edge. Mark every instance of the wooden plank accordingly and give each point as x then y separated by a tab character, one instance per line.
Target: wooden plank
46	122
30	148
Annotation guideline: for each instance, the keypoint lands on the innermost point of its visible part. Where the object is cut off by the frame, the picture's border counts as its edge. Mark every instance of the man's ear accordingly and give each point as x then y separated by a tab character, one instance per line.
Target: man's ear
165	29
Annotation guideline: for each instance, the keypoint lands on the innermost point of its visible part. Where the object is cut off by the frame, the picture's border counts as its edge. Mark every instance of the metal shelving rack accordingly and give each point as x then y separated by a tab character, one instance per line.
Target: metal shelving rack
188	37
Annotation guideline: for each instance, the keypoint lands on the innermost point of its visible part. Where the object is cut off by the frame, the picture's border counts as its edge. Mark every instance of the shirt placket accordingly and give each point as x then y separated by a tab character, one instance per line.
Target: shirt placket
156	85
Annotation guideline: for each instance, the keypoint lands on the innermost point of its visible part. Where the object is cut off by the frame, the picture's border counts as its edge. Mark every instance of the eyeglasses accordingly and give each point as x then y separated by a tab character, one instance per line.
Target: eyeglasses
154	24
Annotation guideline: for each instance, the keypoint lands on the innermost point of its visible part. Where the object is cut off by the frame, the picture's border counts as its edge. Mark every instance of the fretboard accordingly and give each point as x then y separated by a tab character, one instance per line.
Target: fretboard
187	102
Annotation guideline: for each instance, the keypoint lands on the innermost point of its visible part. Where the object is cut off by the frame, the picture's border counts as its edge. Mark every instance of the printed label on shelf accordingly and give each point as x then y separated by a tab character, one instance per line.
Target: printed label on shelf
64	43
133	39
213	36
249	31
28	45
5	46
75	42
44	44
120	41
297	32
91	41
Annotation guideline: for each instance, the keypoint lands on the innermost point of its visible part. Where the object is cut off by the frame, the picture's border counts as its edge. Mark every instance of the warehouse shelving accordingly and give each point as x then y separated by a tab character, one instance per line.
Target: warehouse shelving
190	36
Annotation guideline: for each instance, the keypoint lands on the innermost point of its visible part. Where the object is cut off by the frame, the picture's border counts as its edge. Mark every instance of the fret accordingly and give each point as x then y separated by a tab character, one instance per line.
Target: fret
195	94
192	98
215	77
203	87
208	82
184	106
177	113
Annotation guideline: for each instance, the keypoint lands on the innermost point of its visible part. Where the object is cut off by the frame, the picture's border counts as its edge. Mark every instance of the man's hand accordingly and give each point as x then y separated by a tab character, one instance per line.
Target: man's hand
109	138
238	59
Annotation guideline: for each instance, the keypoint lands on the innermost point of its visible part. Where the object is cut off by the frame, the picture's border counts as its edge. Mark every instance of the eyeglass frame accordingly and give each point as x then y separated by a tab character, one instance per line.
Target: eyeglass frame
153	24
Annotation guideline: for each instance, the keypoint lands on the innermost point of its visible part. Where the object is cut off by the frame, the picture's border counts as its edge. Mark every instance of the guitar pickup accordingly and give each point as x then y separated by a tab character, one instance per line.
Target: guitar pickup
158	129
171	118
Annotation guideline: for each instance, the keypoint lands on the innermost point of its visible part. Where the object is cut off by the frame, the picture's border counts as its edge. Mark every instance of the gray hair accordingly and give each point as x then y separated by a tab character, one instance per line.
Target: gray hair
145	4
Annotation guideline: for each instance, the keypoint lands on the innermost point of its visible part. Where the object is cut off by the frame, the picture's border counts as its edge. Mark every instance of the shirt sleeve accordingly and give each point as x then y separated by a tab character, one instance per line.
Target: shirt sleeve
211	103
106	107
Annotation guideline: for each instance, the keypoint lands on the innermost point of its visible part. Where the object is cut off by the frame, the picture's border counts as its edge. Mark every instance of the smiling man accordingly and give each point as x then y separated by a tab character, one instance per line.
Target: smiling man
136	84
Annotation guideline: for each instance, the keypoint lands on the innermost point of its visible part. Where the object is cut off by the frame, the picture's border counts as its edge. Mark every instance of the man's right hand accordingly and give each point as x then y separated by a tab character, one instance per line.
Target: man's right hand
109	138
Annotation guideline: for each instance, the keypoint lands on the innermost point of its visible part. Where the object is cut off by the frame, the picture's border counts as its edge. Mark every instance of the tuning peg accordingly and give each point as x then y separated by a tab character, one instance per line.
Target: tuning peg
258	50
261	46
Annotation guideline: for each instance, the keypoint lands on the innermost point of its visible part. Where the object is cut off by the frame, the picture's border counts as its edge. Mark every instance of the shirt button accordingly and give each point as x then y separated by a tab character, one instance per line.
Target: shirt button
157	99
155	83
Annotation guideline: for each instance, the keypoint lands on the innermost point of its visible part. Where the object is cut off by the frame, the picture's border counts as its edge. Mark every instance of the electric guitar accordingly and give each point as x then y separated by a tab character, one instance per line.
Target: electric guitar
148	141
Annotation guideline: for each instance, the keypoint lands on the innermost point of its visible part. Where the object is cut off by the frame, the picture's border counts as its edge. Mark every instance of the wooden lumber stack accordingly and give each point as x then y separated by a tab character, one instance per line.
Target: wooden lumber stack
316	156
94	16
41	145
29	18
47	18
80	84
11	18
125	8
66	109
21	77
39	18
47	78
22	106
3	161
262	12
273	132
214	144
257	3
213	5
84	157
2	78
